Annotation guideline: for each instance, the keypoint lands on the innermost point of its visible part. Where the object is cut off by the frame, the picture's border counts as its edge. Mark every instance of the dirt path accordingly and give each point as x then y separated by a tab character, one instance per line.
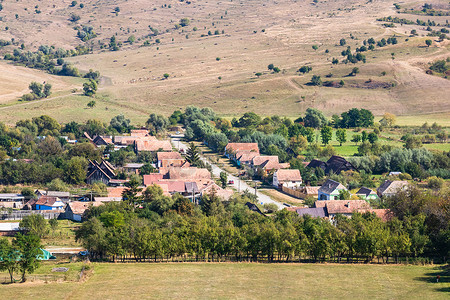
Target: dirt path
35	101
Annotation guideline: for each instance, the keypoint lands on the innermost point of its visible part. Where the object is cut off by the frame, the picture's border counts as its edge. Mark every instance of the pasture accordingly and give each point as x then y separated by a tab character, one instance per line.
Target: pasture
241	281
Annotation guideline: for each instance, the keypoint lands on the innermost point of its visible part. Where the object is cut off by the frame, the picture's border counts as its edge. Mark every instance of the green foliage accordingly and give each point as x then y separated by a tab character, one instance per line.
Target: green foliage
192	154
90	88
120	123
184	22
341	136
35	224
9	258
156	124
326	133
223	179
315	80
314	118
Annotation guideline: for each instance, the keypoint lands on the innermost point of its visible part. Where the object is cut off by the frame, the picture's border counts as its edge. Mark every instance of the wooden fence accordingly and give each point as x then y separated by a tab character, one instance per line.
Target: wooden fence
294	193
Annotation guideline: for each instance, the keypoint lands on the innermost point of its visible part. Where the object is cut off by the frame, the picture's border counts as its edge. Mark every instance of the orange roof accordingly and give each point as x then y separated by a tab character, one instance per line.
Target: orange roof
152	178
259	160
288	175
143	144
343	206
167	163
189	173
246	156
220	192
139	132
78	207
234	147
168	155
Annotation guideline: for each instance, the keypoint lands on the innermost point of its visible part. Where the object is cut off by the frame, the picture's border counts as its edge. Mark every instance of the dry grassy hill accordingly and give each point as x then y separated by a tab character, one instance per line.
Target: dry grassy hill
219	70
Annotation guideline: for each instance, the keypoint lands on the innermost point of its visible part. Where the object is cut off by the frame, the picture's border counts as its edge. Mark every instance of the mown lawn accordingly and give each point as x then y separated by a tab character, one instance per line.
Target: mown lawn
244	281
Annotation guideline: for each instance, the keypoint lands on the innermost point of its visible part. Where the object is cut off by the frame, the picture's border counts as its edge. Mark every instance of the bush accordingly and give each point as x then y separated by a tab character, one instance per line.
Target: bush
435	182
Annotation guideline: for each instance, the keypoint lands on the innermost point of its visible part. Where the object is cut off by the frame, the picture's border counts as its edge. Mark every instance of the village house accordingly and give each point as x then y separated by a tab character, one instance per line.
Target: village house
389	188
74	210
212	187
15	201
245	158
172	157
100	172
330	190
63	196
287	178
152	145
232	149
268	163
335	165
366	194
45	203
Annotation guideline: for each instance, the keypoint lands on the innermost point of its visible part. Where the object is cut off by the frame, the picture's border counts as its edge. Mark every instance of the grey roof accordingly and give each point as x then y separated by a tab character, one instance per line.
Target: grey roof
134	165
58	194
191	186
315	212
390	187
364	191
4	197
329	186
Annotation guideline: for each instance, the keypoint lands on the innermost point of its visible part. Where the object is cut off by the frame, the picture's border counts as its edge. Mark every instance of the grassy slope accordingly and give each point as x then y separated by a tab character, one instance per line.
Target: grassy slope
132	76
243	281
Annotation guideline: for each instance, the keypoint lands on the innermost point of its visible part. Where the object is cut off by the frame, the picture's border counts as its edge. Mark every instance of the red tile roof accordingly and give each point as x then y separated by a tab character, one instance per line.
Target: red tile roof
235	147
288	175
168	155
153	145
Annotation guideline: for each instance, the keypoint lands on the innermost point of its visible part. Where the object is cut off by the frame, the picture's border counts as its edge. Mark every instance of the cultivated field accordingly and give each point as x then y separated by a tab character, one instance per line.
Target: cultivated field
243	281
218	70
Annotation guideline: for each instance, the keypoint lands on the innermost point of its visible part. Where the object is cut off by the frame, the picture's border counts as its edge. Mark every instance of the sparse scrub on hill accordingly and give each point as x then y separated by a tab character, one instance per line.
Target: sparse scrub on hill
43	59
85	33
38	91
316	81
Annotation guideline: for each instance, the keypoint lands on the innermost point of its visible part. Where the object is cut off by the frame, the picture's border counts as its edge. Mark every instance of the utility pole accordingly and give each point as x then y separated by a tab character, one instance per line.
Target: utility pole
256	187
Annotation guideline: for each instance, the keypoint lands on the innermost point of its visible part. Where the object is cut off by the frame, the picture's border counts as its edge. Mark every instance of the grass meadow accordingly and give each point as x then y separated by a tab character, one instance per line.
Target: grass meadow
242	281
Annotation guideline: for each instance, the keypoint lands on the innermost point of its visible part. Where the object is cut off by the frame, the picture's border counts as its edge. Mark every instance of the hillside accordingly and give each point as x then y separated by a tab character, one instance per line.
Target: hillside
218	70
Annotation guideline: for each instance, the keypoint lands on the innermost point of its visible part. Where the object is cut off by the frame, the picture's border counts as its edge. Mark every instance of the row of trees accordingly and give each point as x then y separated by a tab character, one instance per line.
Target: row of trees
217	231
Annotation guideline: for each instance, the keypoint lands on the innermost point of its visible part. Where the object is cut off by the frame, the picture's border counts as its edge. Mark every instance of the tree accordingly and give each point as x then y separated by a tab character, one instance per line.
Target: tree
131	39
223	179
388	120
270	67
91	104
9	258
354	71
120	123
75	171
184	22
428	42
341	136
356	138
314	118
166	75
372	137
36	89
157	124
342	42
47	90
305	69
326	134
315	80
35	224
53	224
90	88
364	136
29	247
192	154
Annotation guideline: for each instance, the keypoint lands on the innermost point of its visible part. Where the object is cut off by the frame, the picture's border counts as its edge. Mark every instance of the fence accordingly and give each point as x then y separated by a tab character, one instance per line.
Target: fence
19	215
293	193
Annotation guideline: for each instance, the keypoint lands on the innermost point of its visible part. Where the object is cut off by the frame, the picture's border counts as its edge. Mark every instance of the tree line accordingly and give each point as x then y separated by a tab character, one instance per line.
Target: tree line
159	229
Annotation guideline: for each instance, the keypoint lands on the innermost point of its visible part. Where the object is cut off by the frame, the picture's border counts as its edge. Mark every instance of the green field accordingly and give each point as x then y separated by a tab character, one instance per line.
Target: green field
243	281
